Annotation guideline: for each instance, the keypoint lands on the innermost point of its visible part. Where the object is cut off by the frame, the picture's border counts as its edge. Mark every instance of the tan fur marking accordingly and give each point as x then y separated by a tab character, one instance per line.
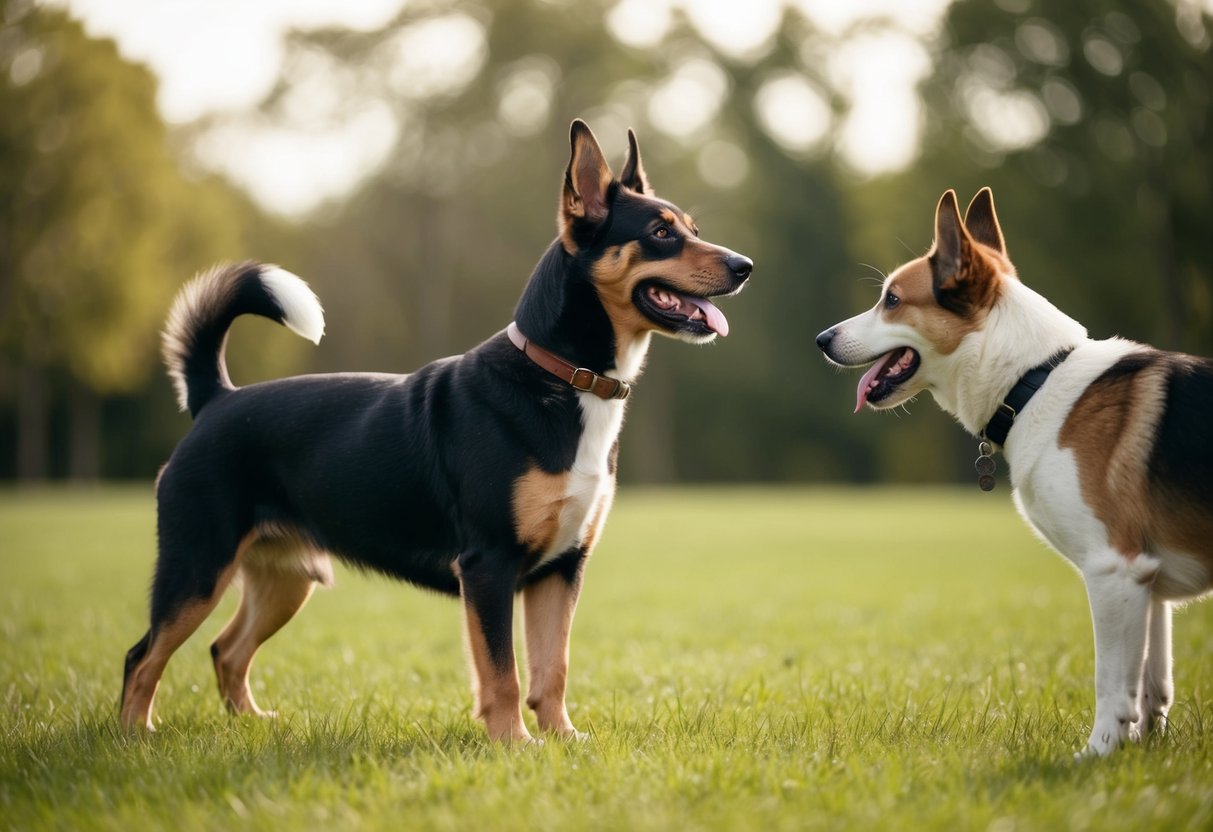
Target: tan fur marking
616	276
549	606
271	596
914	284
1112	430
144	679
495	690
539	497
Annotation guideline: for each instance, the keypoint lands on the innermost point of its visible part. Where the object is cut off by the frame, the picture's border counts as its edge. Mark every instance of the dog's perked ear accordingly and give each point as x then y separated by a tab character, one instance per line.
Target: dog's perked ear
586	197
982	222
962	277
633	176
949	238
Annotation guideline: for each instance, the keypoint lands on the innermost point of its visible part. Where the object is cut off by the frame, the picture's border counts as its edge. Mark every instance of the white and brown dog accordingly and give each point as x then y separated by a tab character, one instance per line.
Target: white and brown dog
1108	442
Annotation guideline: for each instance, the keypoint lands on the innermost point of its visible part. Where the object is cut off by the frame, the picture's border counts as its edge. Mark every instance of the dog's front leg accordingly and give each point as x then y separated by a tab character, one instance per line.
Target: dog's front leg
549	605
1158	690
487	586
1119	592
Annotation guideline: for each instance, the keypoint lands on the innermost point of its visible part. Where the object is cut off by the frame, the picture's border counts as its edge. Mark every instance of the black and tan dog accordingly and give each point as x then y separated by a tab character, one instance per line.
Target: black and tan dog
482	475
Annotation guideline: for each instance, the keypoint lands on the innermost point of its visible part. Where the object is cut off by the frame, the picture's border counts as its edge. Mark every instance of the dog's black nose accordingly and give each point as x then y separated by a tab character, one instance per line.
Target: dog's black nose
824	339
739	265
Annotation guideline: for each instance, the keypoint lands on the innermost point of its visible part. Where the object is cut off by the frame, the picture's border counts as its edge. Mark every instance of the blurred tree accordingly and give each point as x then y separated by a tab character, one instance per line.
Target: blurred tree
98	227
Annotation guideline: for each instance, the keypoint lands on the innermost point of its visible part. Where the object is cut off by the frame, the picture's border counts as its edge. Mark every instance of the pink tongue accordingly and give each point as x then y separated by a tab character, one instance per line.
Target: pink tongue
864	388
715	318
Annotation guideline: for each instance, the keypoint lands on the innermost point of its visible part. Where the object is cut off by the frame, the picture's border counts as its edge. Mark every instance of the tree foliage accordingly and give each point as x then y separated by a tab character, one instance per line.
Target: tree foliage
1090	119
98	227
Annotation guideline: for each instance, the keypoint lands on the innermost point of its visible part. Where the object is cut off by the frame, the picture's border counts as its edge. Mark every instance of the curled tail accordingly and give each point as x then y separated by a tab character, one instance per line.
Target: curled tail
196	332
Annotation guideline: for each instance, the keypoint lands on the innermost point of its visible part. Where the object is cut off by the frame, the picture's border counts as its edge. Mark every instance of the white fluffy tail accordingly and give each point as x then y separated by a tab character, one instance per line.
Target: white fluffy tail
198	322
301	310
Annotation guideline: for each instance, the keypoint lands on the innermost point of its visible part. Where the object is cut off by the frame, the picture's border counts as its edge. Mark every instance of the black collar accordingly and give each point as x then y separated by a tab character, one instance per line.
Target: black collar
1000	423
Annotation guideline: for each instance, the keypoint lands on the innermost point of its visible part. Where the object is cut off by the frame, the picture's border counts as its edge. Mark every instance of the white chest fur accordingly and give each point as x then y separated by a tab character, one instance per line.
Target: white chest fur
590	485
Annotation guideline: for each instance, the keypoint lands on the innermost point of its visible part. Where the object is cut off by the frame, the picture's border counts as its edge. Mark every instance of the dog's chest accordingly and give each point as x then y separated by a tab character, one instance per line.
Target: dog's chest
589	485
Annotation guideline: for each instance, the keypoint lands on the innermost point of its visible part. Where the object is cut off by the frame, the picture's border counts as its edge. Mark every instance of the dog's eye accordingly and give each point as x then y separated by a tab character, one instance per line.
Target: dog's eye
662	232
891	300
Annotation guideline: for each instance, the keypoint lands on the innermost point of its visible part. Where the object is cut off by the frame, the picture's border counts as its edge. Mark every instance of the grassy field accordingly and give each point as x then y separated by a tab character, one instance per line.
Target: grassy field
742	659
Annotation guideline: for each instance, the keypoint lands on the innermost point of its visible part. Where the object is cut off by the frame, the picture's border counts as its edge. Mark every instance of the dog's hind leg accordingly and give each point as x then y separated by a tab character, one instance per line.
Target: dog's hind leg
177	612
487	587
1119	591
272	592
549	605
1158	689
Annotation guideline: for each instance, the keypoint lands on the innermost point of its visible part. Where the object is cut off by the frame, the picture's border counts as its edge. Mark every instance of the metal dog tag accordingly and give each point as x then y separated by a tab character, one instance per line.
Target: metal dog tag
986	466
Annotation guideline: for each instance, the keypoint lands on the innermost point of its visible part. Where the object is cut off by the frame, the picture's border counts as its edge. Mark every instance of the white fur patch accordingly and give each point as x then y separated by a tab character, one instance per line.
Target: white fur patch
590	483
630	361
301	310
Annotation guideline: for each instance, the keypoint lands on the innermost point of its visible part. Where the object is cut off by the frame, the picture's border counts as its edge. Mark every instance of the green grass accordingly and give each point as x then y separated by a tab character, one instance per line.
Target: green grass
742	659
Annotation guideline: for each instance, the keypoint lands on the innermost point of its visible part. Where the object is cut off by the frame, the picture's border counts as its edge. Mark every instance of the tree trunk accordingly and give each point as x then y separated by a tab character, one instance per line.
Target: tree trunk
84	450
33	417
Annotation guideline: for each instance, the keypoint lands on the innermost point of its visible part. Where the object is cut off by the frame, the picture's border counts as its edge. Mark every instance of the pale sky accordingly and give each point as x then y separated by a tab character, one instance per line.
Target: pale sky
222	57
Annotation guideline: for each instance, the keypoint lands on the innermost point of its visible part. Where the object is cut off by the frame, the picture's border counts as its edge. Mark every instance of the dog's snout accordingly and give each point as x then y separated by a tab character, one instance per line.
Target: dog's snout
824	339
739	265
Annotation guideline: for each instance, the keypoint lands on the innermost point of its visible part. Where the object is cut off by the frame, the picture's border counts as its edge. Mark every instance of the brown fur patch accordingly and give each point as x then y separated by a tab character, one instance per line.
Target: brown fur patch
919	309
1112	431
539	497
974	284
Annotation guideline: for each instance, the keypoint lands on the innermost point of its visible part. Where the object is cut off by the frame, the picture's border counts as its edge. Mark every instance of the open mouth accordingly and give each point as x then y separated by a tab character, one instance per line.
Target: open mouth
890	371
680	311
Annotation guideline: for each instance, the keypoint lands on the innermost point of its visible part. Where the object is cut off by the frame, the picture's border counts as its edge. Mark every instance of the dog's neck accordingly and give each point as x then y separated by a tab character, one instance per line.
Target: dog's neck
1022	331
560	310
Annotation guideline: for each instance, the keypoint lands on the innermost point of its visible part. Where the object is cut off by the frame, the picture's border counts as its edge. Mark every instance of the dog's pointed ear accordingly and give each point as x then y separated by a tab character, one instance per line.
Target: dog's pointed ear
633	176
962	277
949	237
585	200
982	222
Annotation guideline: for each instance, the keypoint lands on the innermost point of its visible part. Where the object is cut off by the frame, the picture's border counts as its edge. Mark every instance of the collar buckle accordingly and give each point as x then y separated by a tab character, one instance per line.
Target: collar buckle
583	380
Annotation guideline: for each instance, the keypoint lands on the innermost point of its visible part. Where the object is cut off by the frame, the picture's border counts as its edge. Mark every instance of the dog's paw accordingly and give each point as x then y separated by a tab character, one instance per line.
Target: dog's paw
1106	738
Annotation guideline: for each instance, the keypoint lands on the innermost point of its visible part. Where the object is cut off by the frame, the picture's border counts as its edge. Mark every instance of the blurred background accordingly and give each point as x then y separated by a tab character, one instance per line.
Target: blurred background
404	157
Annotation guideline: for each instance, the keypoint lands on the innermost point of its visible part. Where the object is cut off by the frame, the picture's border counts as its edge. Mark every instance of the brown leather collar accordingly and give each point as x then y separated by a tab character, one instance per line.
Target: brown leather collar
579	378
